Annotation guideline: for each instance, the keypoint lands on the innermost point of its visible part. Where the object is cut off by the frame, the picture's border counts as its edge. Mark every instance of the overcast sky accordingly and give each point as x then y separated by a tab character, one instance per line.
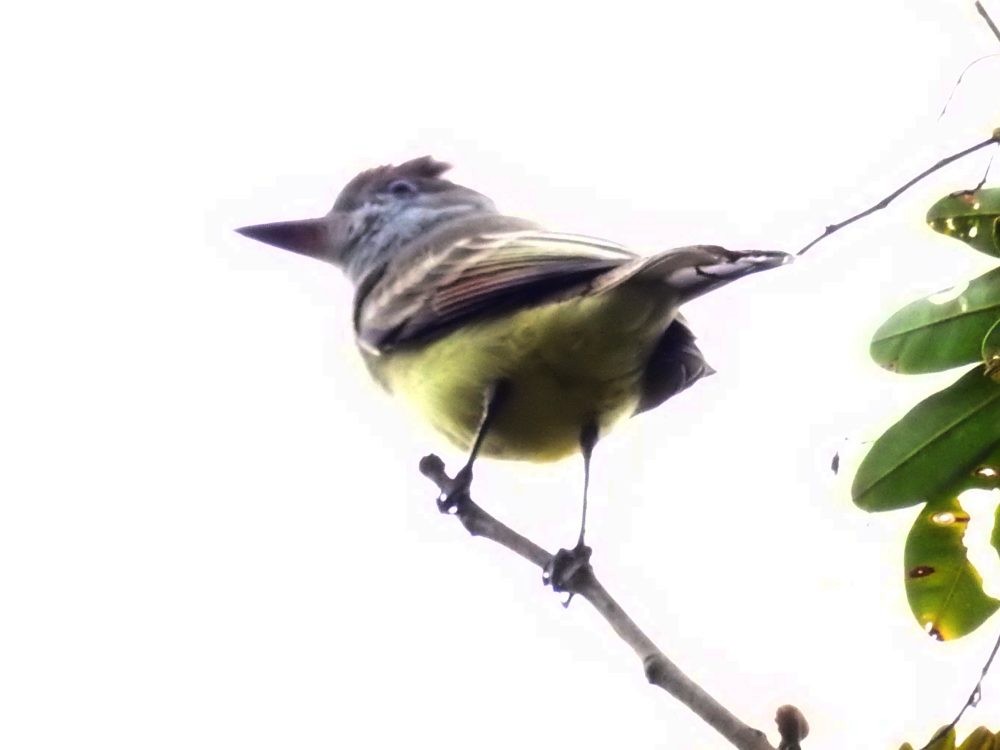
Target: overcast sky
212	530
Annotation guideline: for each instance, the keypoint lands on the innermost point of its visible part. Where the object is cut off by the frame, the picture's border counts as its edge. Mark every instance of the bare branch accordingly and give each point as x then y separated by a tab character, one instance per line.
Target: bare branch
995	138
659	670
972	701
989	21
971	65
961	76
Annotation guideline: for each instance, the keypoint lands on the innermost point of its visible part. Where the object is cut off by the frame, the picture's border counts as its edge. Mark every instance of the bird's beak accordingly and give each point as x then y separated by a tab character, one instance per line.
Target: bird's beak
310	237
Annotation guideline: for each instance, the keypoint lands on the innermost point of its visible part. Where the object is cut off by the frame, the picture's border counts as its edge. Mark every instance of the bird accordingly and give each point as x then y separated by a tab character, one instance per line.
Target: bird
512	341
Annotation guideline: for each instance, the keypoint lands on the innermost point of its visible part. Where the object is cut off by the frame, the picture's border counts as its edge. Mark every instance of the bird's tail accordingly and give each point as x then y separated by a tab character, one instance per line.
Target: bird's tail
691	271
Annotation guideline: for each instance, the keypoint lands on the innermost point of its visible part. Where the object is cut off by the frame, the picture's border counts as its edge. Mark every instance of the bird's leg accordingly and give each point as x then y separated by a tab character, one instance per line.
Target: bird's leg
458	492
588	439
567	562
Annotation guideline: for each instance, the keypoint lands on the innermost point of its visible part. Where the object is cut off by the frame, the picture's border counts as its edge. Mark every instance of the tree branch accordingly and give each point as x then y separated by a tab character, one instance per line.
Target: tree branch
971	702
659	670
989	21
995	138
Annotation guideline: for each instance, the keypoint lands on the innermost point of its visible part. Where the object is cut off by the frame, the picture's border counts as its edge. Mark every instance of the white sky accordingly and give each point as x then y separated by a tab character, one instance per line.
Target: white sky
212	531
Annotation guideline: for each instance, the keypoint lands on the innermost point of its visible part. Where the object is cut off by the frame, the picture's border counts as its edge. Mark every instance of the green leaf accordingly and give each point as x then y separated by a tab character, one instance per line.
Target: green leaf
972	216
946	444
980	739
944	589
995	536
991	349
945	742
928	335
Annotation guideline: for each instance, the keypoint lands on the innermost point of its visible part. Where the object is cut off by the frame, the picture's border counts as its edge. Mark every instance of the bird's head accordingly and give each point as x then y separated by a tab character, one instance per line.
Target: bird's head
376	213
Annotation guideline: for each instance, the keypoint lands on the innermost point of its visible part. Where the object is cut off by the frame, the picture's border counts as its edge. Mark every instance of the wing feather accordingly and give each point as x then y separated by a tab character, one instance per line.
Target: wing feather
431	290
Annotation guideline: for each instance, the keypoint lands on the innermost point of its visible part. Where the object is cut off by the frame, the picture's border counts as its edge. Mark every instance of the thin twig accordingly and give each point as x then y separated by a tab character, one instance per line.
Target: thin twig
986	174
973	699
958	81
995	138
659	669
989	21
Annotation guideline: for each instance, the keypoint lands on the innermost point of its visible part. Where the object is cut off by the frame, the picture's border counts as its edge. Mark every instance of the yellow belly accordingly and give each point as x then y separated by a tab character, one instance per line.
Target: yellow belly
566	364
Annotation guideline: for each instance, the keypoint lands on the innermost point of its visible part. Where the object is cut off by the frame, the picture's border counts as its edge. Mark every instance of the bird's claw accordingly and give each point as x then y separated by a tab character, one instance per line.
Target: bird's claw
564	567
453	497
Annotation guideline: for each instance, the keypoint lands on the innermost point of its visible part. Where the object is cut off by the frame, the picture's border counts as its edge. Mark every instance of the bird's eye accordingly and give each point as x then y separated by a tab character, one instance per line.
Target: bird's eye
401	189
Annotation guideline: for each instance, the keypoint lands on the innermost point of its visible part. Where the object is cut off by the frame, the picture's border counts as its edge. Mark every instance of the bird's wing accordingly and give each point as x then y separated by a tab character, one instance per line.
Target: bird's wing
675	364
693	270
433	289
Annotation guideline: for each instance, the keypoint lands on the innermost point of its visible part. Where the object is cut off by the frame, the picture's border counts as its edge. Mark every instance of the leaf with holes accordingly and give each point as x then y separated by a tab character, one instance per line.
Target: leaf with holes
972	216
948	443
941	331
944	589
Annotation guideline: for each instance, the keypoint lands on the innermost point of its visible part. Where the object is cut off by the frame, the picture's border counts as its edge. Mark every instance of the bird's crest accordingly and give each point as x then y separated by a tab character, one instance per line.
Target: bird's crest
371	180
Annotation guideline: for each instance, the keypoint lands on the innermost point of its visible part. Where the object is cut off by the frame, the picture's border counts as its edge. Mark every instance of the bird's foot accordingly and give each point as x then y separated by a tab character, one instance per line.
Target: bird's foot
455	494
454	491
566	568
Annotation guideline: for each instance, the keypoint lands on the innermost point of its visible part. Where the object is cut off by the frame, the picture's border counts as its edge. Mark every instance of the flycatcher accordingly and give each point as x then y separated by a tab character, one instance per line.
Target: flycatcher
513	341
